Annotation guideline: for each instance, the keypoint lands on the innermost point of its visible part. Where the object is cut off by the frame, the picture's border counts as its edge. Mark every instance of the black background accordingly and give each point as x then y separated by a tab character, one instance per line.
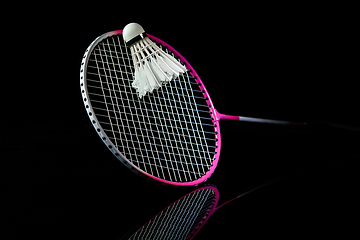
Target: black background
295	63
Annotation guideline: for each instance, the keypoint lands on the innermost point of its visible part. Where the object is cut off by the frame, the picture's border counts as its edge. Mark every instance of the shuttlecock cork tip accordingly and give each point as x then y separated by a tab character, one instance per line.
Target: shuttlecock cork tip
132	33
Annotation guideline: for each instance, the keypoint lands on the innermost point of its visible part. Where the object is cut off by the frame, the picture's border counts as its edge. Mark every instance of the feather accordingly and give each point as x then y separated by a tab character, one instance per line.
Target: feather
153	67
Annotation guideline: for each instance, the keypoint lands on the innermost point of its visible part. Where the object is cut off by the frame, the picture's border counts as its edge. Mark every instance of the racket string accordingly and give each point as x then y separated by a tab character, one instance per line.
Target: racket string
184	131
200	130
157	112
168	134
161	91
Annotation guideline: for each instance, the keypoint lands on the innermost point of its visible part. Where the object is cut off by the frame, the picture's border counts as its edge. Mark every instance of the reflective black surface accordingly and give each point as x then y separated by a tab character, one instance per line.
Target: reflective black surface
58	180
63	183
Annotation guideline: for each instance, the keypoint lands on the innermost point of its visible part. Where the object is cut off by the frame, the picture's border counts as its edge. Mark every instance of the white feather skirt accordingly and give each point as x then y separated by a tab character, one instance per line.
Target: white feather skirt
153	67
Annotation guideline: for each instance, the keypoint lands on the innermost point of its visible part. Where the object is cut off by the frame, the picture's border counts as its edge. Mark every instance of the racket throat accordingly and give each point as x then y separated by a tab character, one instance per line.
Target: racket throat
220	116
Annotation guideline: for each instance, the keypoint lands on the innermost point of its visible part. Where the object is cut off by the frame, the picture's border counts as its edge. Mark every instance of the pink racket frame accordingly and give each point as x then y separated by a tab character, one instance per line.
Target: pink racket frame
212	111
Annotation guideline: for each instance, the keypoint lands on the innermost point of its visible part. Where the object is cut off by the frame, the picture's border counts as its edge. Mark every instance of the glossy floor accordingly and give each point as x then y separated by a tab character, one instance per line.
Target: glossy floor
63	183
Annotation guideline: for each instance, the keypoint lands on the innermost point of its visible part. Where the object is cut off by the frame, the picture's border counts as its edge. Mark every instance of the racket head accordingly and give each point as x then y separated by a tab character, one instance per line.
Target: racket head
109	50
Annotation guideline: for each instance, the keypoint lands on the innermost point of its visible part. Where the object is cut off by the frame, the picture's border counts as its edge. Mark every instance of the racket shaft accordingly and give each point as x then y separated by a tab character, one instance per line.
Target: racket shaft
259	120
262	120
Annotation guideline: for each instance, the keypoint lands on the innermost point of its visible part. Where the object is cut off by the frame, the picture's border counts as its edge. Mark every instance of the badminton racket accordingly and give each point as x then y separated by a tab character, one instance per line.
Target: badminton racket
171	135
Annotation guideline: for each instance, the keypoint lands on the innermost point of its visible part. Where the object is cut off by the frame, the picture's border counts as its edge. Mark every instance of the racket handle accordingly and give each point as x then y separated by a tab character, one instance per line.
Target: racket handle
258	120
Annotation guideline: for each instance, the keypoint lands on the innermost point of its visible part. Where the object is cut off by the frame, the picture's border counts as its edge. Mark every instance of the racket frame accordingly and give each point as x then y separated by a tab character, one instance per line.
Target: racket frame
87	103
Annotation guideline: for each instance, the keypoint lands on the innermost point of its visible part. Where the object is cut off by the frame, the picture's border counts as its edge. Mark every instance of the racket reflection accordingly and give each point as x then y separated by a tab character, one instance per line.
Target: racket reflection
182	219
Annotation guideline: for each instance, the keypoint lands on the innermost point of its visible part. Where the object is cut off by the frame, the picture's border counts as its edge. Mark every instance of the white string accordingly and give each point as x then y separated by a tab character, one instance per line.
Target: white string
168	133
183	134
161	144
102	88
200	131
117	79
165	130
178	142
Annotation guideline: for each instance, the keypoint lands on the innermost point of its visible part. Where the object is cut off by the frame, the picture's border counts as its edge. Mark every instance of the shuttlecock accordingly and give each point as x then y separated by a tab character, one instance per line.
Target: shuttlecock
153	67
